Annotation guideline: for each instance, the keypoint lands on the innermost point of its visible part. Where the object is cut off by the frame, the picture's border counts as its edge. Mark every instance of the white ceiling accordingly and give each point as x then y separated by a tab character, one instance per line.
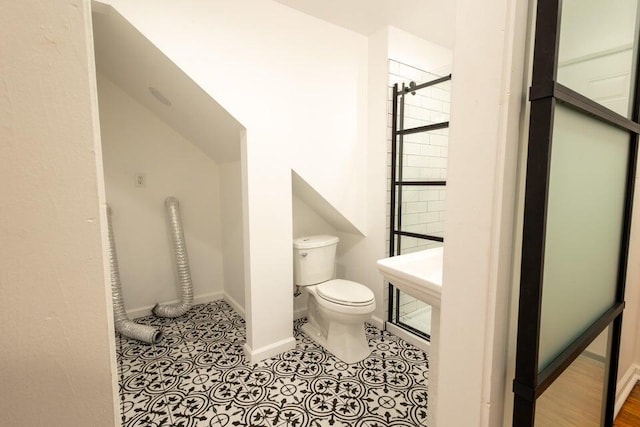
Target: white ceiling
132	62
432	20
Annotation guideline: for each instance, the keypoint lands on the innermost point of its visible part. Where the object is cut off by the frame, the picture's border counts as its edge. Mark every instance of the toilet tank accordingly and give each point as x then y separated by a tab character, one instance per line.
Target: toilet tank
314	259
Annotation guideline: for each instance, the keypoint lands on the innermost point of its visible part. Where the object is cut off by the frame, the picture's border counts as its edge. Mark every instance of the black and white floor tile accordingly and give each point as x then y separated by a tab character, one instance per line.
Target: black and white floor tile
197	376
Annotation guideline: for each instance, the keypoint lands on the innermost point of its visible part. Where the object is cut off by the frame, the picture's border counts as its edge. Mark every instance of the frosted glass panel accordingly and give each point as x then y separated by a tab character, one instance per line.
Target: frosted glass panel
584	227
576	398
597	50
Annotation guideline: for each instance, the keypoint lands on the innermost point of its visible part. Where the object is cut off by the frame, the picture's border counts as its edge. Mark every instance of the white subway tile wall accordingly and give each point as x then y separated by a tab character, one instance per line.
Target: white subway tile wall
424	158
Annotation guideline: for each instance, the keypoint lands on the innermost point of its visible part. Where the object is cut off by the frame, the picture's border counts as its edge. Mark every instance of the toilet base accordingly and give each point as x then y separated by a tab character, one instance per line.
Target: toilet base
346	342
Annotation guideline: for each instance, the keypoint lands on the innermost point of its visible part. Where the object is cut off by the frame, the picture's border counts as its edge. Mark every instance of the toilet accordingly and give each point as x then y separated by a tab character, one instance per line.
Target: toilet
337	309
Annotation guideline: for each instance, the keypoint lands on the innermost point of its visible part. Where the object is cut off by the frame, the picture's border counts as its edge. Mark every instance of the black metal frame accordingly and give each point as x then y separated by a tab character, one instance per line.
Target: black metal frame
545	94
397	183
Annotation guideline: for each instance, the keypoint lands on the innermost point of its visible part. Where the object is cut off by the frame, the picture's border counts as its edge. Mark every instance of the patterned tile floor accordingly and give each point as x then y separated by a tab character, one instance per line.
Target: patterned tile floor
198	376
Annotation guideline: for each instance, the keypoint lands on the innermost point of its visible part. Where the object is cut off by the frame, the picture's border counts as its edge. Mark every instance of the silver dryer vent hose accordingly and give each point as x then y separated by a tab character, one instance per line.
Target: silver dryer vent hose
181	261
123	325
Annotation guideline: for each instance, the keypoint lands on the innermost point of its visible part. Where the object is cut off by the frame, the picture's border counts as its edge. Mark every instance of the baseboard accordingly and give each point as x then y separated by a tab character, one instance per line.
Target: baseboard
300	313
377	322
625	385
255	356
234	304
422	344
134	313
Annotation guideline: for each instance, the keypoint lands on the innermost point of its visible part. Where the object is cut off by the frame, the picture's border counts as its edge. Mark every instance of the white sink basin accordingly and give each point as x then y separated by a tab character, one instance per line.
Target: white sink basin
419	274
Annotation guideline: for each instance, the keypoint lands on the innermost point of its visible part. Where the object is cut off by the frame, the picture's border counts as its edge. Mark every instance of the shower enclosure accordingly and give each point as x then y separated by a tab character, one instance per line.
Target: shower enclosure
417	177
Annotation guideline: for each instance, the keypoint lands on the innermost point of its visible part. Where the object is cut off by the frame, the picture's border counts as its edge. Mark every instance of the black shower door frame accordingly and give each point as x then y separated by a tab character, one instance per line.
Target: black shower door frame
397	184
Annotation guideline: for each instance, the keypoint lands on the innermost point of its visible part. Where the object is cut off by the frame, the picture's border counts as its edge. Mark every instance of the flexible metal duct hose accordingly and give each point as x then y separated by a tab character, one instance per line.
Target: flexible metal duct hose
123	325
181	262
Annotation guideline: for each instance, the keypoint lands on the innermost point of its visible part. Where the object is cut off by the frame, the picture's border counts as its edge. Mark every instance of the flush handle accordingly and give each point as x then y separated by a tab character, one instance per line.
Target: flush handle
304	254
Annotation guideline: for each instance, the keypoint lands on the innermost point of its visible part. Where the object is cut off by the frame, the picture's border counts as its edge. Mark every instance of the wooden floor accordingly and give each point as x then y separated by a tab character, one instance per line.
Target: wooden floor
575	398
629	415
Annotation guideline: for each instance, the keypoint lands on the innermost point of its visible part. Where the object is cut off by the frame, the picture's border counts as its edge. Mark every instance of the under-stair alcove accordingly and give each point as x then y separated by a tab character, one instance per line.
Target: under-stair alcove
163	135
312	214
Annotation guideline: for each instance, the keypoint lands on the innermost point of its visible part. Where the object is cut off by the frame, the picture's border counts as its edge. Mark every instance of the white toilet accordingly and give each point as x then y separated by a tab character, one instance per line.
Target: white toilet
337	309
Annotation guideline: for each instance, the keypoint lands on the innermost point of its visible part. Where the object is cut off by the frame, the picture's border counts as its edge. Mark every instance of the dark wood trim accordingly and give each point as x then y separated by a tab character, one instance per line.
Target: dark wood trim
545	61
588	106
420	129
422	183
390	310
583	104
397	146
400	149
547	38
412	89
397	303
394	127
410	328
419	236
534	231
612	371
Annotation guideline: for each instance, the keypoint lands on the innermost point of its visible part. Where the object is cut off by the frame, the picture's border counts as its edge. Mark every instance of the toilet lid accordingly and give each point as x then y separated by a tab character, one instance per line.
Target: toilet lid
345	292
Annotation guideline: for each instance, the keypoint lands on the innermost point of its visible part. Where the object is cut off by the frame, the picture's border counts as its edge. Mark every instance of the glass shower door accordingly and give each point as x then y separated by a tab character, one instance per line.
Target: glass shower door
418	179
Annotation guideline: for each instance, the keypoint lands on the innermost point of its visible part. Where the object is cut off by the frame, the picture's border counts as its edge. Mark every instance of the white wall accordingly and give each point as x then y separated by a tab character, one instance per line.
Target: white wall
232	234
419	53
307	222
298	85
57	354
134	140
487	96
357	254
269	64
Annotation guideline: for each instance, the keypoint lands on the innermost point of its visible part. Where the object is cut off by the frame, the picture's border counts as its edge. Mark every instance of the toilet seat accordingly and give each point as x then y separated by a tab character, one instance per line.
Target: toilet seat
345	292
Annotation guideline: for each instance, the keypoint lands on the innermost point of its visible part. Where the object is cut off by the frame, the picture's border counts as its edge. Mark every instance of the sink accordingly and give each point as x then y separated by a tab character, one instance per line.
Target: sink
419	274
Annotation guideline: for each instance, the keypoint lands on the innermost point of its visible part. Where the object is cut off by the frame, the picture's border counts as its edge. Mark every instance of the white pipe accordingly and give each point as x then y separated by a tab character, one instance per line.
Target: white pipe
123	325
181	262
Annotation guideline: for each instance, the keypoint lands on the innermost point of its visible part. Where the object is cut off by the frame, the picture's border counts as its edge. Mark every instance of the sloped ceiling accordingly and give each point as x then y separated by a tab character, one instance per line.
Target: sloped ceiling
136	65
321	206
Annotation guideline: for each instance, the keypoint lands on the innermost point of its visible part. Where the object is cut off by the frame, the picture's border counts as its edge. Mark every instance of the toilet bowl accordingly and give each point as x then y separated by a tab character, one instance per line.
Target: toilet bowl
337	309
